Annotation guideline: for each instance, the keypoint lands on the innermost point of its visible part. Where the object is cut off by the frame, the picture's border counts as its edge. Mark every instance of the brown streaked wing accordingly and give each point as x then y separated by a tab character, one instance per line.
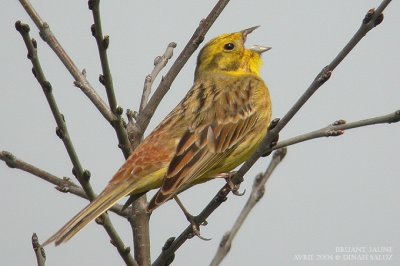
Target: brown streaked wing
230	117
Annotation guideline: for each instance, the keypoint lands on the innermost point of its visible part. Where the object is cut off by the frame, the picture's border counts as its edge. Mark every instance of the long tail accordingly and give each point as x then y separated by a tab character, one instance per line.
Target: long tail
110	195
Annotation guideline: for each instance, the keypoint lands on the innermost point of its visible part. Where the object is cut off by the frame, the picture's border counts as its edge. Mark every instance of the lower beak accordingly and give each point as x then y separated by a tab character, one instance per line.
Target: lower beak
259	49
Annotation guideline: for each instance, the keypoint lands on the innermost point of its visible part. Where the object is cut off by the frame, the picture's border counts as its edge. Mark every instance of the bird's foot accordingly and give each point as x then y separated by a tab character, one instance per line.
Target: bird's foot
233	187
192	220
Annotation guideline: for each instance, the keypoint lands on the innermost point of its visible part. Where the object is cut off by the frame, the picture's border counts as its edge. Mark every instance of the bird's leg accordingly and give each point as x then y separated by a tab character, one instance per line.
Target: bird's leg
234	187
275	140
192	220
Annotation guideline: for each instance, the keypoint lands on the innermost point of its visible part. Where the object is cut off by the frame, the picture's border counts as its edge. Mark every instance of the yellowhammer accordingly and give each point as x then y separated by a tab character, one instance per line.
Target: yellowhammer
215	128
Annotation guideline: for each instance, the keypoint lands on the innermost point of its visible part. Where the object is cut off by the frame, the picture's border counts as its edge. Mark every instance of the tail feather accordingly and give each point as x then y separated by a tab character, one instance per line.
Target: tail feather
101	204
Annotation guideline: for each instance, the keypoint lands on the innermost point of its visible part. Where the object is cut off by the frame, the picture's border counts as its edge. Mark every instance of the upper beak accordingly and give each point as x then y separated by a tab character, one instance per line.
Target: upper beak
248	31
259	49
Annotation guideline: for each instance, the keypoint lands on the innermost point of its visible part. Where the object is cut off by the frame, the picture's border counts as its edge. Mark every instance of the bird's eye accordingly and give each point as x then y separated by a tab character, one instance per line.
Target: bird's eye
229	46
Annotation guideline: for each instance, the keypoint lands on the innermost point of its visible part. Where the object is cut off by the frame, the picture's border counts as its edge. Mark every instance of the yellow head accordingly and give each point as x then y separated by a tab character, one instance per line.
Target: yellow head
227	53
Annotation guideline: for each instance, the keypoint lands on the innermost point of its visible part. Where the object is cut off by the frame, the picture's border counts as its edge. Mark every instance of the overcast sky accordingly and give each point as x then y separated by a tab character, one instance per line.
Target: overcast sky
327	193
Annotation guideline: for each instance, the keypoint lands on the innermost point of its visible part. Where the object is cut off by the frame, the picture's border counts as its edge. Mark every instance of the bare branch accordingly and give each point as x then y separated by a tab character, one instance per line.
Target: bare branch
257	193
64	185
39	250
144	117
106	78
80	79
372	19
338	127
82	175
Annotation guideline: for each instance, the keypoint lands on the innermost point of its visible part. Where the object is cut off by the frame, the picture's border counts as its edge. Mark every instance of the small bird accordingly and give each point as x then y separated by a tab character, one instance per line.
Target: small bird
215	128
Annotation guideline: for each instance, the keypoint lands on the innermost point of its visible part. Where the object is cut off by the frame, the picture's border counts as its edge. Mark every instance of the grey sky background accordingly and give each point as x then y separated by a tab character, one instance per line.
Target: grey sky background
327	193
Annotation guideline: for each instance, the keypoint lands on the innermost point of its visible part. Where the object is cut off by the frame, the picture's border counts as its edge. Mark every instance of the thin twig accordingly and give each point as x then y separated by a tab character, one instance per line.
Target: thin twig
159	63
39	250
197	38
102	45
106	78
64	185
82	175
257	193
372	19
338	127
80	79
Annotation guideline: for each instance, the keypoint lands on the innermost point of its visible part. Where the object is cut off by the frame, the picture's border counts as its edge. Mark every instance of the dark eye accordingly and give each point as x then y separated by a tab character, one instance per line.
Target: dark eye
229	46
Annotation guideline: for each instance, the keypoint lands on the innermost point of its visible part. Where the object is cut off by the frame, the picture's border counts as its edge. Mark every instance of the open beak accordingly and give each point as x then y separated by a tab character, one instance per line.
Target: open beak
255	48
